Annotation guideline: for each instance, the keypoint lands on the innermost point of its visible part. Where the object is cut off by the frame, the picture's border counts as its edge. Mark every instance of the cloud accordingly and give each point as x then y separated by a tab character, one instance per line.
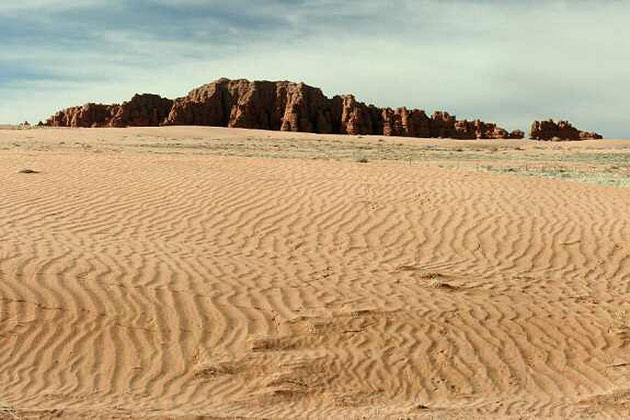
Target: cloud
505	61
43	5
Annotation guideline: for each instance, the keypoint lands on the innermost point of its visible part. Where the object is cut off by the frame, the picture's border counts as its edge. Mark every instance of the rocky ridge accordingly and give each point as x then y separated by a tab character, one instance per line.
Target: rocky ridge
562	130
282	105
141	110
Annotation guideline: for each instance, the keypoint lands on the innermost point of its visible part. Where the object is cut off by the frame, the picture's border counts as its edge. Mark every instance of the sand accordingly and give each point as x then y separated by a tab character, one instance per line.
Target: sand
180	272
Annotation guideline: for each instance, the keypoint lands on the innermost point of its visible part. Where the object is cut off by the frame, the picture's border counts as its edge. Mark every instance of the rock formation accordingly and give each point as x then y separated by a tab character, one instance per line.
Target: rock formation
516	134
563	130
88	115
141	110
356	118
282	106
265	105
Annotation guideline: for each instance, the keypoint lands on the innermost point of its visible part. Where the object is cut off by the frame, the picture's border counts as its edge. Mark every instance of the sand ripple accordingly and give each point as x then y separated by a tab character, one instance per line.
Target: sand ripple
136	285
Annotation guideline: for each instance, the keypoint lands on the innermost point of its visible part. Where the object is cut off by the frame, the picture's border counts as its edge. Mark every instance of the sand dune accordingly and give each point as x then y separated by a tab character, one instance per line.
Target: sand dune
150	282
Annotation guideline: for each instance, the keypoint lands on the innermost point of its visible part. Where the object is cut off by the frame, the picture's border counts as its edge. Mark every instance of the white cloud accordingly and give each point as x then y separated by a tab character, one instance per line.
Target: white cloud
46	5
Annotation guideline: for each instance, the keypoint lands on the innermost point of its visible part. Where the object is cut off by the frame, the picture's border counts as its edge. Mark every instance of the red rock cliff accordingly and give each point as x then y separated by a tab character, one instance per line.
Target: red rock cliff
562	130
89	115
141	110
265	105
285	106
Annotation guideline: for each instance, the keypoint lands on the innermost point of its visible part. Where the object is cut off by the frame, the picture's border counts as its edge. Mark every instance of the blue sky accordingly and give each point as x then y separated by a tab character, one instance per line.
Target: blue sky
505	61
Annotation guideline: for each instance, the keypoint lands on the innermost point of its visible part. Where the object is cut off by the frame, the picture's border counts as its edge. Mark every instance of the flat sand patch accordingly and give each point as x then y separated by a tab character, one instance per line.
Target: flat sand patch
180	272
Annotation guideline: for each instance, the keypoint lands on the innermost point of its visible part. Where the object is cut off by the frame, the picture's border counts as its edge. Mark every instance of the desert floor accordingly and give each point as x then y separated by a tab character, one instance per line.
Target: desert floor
180	272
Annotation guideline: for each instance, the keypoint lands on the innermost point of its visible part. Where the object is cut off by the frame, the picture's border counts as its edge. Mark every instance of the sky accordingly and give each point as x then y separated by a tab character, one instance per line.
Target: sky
504	61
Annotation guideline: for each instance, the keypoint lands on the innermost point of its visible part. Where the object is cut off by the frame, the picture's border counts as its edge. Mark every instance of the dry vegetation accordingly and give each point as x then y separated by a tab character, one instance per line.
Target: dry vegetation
602	162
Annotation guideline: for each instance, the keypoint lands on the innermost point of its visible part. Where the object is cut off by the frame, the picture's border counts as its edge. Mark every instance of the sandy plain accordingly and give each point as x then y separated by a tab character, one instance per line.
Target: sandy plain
188	272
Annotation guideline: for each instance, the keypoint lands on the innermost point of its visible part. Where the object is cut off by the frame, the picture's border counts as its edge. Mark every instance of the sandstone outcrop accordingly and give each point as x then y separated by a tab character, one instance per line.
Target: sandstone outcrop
141	110
284	105
356	118
562	130
516	134
264	105
479	130
405	123
88	115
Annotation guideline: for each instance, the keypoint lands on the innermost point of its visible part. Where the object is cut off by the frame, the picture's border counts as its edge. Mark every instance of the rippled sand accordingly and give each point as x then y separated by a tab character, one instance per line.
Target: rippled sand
180	272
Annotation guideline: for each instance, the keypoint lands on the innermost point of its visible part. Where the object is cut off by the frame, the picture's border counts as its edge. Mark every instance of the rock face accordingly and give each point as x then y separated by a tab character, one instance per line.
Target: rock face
141	110
89	115
285	106
516	134
355	118
404	122
264	105
563	130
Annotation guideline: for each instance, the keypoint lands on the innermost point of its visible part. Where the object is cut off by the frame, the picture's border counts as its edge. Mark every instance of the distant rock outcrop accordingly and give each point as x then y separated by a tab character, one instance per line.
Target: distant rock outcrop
355	117
516	134
88	115
141	110
562	130
285	106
